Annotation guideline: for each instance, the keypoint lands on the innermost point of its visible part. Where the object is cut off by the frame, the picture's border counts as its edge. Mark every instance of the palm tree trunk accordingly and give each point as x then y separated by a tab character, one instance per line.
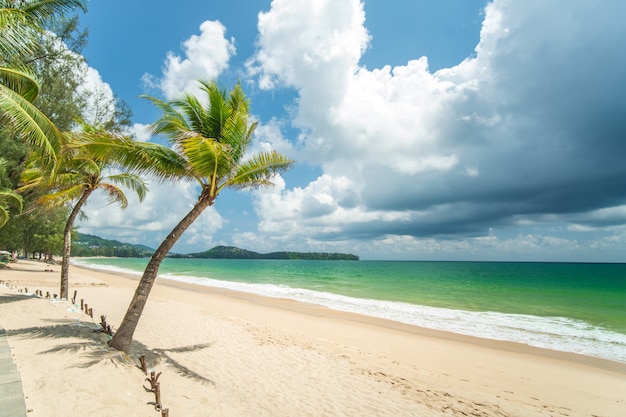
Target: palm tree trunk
67	244
124	335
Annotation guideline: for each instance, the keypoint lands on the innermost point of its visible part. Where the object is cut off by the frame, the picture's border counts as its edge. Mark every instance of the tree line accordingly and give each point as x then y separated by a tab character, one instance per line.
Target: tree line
55	154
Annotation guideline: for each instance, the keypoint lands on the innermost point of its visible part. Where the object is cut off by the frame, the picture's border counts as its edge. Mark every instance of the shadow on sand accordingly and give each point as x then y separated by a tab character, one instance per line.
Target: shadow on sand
93	347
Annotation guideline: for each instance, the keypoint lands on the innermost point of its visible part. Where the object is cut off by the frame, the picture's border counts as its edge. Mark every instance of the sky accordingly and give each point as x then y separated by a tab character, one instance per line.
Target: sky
422	129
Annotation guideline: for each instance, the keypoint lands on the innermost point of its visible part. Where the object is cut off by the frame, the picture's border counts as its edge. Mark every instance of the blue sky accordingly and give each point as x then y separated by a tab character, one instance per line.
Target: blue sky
422	130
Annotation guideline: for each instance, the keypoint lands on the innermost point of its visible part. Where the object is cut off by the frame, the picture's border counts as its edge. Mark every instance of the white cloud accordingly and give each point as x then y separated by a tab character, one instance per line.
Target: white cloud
467	162
269	137
206	56
530	109
140	132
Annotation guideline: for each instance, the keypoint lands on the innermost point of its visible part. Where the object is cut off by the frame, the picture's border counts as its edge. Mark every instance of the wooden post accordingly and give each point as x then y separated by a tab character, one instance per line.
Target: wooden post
74	297
91	312
82	304
155	388
165	412
143	367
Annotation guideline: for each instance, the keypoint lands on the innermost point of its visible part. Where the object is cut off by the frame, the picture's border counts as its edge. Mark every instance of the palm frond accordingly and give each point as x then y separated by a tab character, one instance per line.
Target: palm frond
4	215
22	21
216	110
171	121
21	81
31	123
16	32
11	198
159	161
114	194
62	195
43	10
189	106
203	155
258	170
131	181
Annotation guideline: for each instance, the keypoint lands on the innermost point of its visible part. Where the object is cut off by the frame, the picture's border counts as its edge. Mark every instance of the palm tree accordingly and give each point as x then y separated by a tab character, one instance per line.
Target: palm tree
77	175
209	146
21	24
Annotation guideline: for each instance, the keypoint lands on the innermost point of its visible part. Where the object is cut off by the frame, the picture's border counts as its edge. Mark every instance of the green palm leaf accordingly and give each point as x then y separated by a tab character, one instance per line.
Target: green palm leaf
131	181
159	161
259	170
8	199
32	125
21	81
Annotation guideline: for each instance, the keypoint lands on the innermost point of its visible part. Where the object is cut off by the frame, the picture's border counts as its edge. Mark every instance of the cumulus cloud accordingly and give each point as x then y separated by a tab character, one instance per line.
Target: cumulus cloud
529	129
140	132
206	56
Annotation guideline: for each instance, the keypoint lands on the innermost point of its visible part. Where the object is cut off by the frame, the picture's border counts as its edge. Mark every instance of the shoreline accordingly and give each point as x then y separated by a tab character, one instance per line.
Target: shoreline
281	346
473	324
314	310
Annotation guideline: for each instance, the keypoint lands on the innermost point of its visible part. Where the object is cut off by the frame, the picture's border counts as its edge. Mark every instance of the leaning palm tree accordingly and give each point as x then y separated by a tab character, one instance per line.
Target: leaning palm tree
77	175
21	25
209	146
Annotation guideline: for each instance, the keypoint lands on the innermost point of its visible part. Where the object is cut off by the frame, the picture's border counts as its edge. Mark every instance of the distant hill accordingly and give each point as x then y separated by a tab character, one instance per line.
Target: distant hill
90	245
231	252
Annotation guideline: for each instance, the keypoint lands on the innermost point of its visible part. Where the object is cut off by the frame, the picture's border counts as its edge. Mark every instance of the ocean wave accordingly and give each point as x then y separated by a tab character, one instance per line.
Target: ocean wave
555	333
84	262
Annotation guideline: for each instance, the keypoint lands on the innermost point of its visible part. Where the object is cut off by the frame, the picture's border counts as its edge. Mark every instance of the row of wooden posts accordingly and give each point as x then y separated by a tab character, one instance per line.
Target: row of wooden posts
153	377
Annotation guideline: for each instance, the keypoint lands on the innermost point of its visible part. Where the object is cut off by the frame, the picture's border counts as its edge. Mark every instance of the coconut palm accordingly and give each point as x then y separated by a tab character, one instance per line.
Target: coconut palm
209	146
21	24
77	175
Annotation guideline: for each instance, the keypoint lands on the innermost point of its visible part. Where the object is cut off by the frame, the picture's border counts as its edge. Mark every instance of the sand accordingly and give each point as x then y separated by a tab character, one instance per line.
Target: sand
231	354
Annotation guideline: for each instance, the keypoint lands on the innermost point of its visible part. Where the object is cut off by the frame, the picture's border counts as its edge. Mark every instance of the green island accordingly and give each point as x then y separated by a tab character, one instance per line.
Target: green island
86	245
231	252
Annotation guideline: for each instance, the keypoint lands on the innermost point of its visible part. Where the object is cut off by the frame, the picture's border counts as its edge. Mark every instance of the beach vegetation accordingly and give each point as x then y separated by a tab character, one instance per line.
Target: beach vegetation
22	25
76	176
36	234
210	141
8	199
34	65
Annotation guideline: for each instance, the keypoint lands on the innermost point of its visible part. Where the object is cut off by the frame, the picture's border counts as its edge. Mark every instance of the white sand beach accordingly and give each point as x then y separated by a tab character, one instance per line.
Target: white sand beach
228	354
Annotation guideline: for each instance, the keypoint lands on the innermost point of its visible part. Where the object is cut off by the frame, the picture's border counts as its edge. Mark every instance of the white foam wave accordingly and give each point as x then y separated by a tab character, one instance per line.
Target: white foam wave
556	333
84	262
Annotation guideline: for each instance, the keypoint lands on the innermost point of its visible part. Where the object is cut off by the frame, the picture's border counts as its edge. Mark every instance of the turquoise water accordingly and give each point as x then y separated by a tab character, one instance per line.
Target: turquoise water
563	306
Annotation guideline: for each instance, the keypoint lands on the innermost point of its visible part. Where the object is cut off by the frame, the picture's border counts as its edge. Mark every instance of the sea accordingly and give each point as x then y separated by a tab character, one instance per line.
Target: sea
569	307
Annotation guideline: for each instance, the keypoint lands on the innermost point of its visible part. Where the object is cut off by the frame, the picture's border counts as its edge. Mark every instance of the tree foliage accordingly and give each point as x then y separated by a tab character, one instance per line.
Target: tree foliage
22	25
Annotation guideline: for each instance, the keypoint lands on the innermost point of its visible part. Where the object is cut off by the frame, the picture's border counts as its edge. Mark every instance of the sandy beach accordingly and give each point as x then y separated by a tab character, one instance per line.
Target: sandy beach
229	354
